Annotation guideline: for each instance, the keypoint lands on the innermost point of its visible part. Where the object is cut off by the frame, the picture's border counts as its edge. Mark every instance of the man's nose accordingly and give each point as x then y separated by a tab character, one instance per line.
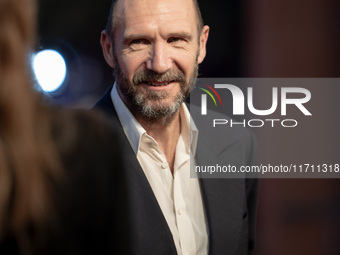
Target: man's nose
159	60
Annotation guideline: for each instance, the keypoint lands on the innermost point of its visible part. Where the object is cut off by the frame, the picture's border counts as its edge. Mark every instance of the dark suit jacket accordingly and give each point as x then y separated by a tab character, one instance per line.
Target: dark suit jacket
229	203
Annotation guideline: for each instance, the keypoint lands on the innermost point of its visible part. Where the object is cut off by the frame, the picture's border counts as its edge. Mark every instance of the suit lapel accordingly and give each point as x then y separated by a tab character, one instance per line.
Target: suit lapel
223	201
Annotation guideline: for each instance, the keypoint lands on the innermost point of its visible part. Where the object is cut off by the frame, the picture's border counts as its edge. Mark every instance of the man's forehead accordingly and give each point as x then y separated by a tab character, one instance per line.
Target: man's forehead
128	10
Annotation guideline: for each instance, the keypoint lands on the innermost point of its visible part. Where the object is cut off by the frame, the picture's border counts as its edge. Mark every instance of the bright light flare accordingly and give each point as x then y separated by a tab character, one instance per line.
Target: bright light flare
50	69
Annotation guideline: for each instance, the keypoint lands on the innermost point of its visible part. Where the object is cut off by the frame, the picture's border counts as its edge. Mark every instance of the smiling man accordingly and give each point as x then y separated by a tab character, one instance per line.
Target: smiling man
154	48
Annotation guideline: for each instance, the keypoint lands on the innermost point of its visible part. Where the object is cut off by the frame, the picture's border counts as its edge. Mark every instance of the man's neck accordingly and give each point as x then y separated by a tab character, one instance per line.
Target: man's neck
166	133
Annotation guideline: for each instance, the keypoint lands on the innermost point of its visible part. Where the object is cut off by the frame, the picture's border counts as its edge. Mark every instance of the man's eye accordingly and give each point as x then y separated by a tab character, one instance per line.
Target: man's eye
174	39
139	41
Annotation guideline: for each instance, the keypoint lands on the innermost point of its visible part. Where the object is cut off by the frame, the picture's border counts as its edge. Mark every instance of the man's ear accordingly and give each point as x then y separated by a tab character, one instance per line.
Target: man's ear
107	47
203	43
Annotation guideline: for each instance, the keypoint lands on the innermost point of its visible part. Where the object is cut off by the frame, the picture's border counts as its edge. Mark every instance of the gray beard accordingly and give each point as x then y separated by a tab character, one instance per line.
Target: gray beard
157	110
150	107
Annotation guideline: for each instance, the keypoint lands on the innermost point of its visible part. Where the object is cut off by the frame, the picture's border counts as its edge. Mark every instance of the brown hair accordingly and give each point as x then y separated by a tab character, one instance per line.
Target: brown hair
27	153
112	22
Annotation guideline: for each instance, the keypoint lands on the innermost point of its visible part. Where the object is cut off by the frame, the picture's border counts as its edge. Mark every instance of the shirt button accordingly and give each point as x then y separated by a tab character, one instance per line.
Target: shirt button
164	165
179	211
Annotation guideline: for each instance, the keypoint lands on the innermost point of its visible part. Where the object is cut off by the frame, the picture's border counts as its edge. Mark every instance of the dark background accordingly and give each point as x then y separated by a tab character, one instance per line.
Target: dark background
258	38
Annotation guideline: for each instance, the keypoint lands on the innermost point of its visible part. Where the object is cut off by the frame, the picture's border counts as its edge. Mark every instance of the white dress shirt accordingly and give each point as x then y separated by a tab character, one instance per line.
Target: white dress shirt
178	195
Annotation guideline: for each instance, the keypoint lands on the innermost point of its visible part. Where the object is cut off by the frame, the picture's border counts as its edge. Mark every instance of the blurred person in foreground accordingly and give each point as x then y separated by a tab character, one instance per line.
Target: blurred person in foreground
155	47
56	192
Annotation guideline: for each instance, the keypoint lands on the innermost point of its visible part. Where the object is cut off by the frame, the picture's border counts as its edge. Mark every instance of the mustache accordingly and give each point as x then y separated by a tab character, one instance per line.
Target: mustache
143	76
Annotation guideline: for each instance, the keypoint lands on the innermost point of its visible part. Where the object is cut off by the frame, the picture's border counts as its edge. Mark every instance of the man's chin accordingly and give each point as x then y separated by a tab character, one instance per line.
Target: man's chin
158	110
160	103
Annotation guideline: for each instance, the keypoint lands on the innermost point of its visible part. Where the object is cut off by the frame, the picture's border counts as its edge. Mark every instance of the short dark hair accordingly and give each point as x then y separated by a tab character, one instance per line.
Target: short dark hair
112	22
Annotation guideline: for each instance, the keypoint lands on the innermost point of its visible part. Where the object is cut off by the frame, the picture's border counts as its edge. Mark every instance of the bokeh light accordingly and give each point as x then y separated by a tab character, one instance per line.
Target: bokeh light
50	69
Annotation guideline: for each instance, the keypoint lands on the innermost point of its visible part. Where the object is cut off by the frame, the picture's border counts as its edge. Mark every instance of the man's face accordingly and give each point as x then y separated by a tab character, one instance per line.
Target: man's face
157	49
